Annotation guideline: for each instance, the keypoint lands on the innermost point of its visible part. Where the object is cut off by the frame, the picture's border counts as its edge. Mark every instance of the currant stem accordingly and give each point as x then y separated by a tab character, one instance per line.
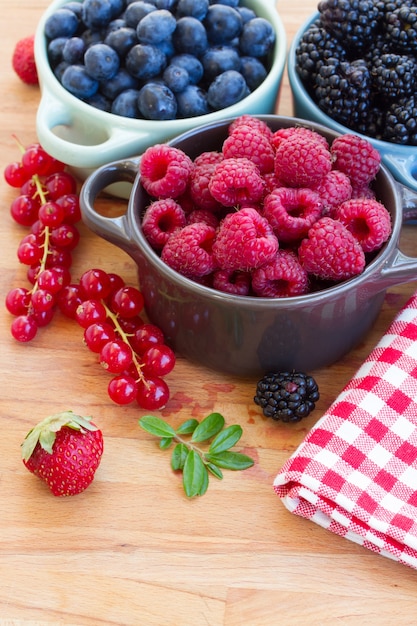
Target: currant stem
125	338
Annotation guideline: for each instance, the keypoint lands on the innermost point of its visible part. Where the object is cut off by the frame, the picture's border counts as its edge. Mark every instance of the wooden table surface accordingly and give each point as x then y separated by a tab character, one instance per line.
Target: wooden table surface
132	549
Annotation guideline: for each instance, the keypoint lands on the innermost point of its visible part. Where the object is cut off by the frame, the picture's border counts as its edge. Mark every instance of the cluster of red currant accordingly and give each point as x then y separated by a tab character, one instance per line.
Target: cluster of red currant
108	310
132	351
49	205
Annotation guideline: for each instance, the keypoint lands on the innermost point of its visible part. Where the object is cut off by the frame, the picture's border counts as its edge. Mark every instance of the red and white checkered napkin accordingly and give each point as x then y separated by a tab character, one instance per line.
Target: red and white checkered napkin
356	471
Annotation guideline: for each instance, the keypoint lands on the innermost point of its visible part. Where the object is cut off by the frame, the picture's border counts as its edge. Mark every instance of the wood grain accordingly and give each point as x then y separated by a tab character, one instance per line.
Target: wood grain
132	550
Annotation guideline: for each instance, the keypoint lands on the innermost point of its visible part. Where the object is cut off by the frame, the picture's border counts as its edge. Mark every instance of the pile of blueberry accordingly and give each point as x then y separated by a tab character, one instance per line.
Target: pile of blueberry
159	59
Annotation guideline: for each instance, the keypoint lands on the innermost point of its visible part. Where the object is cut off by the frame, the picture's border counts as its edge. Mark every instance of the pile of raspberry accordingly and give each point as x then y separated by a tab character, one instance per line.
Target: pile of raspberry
270	214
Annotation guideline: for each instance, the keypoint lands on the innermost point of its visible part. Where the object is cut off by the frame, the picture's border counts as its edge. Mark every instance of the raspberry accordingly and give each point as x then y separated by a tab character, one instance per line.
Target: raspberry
292	211
208	158
160	220
203	215
165	171
253	122
199	187
236	182
249	143
363	192
189	250
301	161
286	133
330	251
244	241
367	220
236	283
333	189
23	61
282	277
357	158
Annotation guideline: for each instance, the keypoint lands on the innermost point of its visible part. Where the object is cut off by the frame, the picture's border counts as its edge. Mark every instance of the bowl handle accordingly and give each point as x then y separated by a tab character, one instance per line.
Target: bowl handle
403	169
113	229
82	140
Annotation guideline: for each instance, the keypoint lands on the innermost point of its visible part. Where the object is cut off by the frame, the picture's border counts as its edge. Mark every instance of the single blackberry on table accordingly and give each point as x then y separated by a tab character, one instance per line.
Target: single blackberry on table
353	22
287	396
394	75
343	91
401	122
316	46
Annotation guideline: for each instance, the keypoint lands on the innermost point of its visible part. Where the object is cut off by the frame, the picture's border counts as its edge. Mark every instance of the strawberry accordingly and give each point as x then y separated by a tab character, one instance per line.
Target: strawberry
23	61
64	450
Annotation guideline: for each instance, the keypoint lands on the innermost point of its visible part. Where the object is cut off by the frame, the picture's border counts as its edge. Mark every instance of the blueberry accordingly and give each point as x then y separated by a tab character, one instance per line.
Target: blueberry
101	61
115	24
136	11
227	89
62	23
75	7
122	40
78	81
145	61
73	51
190	36
117	7
126	104
91	37
156	26
60	69
167	47
164	4
230	3
223	23
257	38
246	14
97	13
193	8
176	78
219	59
121	81
192	102
253	71
191	64
157	102
55	50
99	101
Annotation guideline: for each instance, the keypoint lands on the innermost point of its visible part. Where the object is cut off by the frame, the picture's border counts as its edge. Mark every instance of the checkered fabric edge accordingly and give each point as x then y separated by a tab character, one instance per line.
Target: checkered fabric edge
355	473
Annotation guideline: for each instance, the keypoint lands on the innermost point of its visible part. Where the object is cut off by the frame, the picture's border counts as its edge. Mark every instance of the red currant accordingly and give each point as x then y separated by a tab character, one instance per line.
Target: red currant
69	299
159	360
97	335
95	283
127	302
24	328
145	337
51	214
29	252
65	236
42	300
90	312
17	301
153	394
24	210
71	204
115	356
36	161
60	184
15	174
122	389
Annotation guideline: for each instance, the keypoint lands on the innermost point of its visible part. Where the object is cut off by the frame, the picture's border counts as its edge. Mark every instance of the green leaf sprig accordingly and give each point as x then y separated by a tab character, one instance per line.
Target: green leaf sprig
196	464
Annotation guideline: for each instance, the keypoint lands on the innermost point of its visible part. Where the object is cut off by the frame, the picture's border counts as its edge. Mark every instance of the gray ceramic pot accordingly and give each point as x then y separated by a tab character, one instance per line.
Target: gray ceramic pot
246	336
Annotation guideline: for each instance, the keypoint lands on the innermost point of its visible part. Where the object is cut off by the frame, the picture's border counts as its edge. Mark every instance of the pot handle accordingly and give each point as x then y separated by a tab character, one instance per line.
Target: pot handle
113	229
83	139
401	268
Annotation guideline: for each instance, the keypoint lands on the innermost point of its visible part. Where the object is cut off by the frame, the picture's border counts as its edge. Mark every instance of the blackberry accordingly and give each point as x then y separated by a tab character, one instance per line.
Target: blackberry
401	122
353	22
287	396
401	28
394	75
316	46
343	91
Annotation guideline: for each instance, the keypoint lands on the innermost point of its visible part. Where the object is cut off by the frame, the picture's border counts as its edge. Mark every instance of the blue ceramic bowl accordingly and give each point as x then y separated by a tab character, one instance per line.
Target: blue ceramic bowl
400	160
